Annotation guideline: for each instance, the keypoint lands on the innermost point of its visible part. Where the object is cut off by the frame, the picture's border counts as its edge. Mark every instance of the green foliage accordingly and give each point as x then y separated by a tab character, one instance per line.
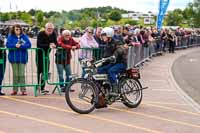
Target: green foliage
110	22
189	17
25	17
103	16
39	18
175	18
4	16
32	12
196	17
128	21
115	15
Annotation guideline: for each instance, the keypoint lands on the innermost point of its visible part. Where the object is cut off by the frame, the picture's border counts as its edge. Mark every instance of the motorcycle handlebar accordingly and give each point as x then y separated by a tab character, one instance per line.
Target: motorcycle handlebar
111	59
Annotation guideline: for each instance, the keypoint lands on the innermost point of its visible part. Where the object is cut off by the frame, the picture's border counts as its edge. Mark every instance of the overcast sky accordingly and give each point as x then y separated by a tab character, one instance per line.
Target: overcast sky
59	5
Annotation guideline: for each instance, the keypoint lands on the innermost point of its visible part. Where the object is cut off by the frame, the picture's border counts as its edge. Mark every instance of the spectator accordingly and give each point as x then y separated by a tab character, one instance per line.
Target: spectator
19	57
2	63
77	32
46	39
151	42
157	37
145	45
97	53
127	36
172	40
63	57
97	35
118	35
87	42
164	39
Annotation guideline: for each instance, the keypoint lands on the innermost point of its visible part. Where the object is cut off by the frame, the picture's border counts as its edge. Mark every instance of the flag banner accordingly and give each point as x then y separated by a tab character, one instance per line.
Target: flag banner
163	5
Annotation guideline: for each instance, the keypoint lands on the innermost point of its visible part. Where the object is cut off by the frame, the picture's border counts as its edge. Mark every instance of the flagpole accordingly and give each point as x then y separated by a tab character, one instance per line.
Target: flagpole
10	10
16	11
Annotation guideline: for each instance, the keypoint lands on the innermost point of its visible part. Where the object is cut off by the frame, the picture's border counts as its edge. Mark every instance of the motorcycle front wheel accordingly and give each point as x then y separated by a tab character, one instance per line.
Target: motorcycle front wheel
80	95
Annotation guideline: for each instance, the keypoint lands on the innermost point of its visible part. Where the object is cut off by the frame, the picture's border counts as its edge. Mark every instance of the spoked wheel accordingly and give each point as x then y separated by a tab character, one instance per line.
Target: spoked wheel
80	96
131	92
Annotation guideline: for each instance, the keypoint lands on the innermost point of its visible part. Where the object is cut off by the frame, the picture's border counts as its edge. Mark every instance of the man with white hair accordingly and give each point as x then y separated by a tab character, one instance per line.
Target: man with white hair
46	39
63	56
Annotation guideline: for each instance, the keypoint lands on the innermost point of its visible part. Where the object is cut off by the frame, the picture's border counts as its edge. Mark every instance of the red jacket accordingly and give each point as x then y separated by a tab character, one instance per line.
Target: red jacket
67	44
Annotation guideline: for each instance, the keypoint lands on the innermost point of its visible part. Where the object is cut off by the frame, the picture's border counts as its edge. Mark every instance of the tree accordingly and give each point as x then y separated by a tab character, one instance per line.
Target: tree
26	17
115	15
175	18
32	12
188	12
4	16
128	21
39	18
51	13
196	13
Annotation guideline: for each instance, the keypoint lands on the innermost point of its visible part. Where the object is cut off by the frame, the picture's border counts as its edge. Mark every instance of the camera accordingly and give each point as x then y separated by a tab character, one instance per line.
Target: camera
21	42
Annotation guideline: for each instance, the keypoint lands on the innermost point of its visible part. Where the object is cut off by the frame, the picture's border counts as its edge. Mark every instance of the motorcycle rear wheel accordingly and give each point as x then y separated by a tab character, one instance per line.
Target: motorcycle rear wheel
131	90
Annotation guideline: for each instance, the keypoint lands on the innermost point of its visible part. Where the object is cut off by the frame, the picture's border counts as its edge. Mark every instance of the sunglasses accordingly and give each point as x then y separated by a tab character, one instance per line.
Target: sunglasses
17	29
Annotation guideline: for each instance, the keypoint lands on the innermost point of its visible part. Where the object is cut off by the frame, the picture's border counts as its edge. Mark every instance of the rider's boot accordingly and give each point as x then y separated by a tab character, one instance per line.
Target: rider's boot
114	90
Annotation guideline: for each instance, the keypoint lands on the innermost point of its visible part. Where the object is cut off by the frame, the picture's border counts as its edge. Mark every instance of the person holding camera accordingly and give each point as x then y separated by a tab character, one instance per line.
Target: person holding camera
18	57
2	63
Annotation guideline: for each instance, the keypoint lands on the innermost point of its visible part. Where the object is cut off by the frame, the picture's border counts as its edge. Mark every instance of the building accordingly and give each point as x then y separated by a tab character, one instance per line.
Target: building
148	18
15	21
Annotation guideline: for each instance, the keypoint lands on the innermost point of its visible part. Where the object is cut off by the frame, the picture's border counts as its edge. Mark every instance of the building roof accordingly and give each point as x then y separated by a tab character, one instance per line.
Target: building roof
13	22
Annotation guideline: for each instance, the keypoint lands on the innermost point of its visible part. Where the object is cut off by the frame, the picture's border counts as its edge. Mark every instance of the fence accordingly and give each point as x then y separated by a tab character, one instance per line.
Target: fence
25	75
57	58
136	56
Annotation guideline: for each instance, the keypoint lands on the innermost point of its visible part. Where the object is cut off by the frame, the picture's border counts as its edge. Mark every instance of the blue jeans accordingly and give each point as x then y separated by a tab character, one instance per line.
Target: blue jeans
112	70
2	71
60	69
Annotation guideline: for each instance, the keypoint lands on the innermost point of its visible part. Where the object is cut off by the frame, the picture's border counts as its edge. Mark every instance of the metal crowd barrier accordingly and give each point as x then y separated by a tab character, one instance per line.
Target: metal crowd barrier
30	70
58	56
137	55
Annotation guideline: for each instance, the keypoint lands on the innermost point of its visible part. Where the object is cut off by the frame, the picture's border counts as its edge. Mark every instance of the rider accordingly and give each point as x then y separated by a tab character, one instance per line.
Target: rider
117	50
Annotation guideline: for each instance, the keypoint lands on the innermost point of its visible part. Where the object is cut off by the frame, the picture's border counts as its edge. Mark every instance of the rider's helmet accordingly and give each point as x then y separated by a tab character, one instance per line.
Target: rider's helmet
108	32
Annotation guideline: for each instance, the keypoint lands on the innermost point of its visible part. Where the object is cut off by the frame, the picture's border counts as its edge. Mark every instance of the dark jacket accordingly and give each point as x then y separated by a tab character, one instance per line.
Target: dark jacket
114	48
98	53
127	38
43	41
98	40
121	55
2	52
120	38
20	55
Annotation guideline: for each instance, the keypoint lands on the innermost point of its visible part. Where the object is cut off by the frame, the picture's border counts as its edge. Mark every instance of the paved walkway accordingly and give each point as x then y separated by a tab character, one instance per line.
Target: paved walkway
164	109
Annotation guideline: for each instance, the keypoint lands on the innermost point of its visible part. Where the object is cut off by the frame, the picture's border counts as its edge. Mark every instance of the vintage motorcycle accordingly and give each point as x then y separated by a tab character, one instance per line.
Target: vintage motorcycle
94	90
